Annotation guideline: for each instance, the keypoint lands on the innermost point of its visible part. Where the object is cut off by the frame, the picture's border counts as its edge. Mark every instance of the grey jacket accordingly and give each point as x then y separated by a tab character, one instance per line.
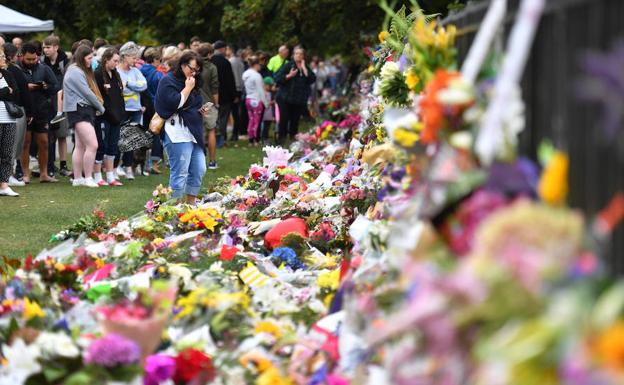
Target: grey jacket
76	91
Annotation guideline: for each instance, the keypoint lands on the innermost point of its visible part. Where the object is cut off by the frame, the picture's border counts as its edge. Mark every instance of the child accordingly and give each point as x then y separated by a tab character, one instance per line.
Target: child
268	115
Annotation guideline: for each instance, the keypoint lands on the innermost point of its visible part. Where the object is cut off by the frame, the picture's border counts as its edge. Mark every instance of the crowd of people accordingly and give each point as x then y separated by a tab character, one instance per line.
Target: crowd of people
208	95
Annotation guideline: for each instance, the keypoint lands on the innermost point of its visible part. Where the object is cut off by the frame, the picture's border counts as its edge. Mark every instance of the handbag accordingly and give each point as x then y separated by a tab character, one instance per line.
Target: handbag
133	137
210	119
156	124
13	109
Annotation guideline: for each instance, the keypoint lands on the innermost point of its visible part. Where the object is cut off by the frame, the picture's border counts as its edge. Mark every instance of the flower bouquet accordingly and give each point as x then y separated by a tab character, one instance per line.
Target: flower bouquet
141	320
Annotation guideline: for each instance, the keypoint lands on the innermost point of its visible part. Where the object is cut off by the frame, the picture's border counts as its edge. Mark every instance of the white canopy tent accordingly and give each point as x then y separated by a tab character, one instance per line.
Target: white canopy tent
14	22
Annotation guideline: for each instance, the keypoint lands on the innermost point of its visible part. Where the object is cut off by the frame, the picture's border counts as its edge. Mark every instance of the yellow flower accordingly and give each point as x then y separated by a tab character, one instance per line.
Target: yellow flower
162	269
32	310
553	184
383	35
329	280
268	327
210	223
99	263
272	376
59	266
609	346
405	138
412	80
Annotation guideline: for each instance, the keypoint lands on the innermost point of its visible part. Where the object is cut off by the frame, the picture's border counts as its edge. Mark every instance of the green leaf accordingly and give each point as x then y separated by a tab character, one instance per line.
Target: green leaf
53	374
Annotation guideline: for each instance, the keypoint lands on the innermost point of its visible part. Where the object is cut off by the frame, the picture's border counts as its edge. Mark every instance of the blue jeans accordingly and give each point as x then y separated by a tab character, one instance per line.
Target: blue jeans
108	138
187	163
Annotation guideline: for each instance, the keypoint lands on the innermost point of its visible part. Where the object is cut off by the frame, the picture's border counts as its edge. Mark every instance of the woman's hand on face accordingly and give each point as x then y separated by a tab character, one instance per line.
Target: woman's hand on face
190	82
292	73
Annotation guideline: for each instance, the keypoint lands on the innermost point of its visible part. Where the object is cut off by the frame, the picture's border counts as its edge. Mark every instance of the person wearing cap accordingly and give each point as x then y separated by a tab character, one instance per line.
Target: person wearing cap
227	89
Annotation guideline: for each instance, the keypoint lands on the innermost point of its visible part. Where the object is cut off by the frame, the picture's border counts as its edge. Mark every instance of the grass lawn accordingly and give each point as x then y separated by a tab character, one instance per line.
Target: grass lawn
28	222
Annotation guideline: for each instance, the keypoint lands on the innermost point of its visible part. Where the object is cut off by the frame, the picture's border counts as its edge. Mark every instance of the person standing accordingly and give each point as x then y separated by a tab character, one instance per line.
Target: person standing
24	102
255	99
150	71
107	126
179	102
134	83
238	107
227	90
81	100
277	61
294	80
43	86
210	93
9	91
57	60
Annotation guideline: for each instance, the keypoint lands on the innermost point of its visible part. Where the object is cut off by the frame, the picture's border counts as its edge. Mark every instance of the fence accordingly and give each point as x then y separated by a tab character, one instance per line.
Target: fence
568	29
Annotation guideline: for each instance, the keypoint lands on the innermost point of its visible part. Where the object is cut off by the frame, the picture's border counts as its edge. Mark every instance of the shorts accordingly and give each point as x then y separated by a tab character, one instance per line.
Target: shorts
61	129
38	126
82	114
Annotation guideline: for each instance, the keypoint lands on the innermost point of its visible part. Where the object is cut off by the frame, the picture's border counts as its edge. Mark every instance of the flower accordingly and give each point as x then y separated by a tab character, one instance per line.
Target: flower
113	350
289	257
329	279
609	346
269	328
32	310
57	344
553	184
382	36
22	359
158	368
276	157
191	363
412	80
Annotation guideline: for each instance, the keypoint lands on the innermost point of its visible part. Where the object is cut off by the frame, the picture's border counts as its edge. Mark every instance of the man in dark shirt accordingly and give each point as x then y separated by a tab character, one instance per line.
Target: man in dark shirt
43	86
227	89
57	60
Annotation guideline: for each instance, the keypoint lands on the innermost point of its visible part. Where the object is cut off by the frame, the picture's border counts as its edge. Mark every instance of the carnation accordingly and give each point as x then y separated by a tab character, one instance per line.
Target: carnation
113	350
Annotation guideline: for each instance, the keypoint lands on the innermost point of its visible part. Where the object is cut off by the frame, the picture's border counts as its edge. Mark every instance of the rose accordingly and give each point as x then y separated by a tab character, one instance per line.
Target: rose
191	363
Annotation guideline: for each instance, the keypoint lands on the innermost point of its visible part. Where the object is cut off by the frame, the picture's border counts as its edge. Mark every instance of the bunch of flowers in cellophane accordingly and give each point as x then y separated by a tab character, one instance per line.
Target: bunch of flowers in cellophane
142	318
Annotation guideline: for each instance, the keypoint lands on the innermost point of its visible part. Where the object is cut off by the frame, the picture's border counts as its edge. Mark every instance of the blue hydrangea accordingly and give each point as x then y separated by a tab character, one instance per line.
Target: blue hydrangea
289	257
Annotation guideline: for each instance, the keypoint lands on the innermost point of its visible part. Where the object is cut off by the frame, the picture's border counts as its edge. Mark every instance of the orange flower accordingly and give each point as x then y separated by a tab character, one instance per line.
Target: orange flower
609	346
432	111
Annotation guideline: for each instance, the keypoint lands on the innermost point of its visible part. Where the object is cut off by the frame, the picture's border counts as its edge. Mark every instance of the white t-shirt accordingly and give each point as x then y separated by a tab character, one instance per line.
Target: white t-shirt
175	128
254	86
4	114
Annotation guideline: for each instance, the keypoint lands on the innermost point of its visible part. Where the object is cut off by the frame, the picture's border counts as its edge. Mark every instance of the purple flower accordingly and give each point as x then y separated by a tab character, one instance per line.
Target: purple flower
158	368
113	350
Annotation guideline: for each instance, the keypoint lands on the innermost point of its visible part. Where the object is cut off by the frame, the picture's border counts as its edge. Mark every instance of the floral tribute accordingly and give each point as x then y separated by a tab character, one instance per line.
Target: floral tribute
376	249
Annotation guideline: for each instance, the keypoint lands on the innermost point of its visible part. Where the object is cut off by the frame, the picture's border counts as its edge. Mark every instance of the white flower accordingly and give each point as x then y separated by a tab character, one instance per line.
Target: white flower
216	267
22	361
57	344
459	92
389	70
179	272
317	306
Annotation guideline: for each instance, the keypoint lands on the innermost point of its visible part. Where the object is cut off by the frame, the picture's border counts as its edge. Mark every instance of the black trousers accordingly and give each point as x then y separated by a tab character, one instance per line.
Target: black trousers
289	120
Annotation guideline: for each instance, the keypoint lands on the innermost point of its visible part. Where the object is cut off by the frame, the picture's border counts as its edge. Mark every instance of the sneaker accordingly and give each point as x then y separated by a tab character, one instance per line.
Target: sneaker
129	173
102	183
90	183
120	171
212	165
58	118
64	172
77	182
8	192
13	182
156	168
115	183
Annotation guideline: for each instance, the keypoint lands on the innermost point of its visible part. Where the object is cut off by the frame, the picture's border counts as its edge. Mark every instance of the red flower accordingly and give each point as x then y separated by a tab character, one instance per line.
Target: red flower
28	263
228	252
191	363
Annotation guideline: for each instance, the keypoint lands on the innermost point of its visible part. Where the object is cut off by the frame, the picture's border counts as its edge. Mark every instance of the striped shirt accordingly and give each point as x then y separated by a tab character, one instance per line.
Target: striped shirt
4	115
